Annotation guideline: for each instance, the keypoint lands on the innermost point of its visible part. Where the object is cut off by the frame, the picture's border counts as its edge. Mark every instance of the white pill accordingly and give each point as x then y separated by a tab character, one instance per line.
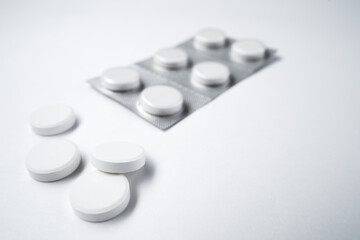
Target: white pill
120	79
99	196
248	50
209	39
52	119
161	100
53	160
210	73
171	58
118	157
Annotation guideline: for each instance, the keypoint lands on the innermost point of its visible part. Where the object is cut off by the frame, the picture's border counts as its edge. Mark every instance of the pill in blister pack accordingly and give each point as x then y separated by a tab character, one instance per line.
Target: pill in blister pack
175	82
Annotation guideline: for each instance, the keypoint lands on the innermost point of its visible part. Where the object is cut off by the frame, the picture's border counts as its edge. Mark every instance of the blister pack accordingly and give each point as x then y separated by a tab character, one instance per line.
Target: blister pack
175	82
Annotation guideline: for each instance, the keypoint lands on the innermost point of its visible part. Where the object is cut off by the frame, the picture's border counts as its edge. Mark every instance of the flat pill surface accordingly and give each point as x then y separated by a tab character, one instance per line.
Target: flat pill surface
53	160
209	39
118	157
161	100
52	119
98	196
171	58
248	49
210	73
120	79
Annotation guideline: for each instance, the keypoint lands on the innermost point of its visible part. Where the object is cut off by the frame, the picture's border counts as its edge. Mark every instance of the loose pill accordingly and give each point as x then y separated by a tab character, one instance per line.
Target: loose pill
52	119
99	196
210	73
118	157
161	100
248	50
209	39
120	79
53	160
171	58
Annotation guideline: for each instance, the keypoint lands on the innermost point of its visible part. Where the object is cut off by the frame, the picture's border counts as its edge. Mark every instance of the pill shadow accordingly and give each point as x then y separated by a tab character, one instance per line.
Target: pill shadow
136	178
72	176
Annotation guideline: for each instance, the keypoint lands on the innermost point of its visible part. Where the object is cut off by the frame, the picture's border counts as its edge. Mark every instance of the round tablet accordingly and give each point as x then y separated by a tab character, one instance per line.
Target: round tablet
99	196
52	119
53	160
120	79
118	157
171	58
161	100
209	39
247	49
210	73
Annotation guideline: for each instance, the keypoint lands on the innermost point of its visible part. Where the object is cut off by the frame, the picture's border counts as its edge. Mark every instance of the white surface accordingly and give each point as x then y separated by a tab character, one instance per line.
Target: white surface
98	196
209	39
118	157
52	160
161	100
52	119
275	157
121	79
210	73
171	58
247	49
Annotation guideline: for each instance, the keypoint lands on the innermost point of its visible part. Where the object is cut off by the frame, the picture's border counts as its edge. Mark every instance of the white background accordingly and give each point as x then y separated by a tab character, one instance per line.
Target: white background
275	157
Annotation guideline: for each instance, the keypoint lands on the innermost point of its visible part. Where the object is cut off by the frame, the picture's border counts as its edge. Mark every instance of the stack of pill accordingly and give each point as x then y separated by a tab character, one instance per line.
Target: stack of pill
53	159
104	194
96	196
175	82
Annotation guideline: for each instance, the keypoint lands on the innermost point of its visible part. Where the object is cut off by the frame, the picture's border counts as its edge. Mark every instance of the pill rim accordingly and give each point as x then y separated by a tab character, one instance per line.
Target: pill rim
200	43
205	81
238	55
129	165
120	87
159	62
106	213
166	111
54	128
58	173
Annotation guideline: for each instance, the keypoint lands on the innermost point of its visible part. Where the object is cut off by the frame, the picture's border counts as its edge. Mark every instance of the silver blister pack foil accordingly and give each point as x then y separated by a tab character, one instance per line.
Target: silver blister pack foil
129	99
239	71
194	96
